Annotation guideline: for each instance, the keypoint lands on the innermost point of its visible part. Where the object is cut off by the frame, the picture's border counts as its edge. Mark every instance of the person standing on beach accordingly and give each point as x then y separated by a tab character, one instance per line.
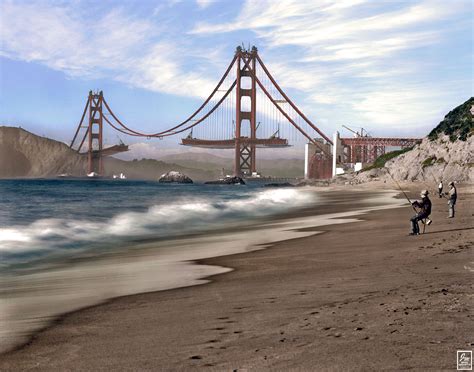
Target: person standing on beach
452	195
425	210
440	189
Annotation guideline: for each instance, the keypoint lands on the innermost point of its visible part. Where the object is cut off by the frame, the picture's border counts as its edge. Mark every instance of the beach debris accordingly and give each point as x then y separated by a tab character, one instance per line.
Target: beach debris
174	177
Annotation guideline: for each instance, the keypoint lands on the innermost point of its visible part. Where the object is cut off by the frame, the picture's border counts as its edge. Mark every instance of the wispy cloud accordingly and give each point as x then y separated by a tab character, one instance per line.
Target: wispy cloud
375	63
352	54
117	46
204	3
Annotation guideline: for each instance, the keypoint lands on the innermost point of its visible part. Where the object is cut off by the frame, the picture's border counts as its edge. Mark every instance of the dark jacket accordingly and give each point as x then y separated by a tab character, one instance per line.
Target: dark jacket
424	205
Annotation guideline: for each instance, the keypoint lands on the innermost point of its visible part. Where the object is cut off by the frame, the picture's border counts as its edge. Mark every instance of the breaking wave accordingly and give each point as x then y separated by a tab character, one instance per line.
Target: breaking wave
20	244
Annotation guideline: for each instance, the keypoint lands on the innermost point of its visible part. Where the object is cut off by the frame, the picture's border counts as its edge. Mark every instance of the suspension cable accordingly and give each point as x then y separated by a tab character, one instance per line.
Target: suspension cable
290	119
159	134
290	102
80	123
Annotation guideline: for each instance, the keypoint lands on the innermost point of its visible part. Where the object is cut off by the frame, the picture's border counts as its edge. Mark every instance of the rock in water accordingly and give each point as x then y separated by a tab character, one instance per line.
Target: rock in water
174	177
276	184
227	181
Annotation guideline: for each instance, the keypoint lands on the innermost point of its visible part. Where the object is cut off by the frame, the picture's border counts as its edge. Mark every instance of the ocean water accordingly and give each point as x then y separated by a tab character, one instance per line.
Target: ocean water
41	220
69	244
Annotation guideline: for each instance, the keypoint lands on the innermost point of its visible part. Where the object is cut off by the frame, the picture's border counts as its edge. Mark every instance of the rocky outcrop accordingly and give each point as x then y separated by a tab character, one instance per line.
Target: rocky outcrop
174	177
227	181
430	161
436	160
447	154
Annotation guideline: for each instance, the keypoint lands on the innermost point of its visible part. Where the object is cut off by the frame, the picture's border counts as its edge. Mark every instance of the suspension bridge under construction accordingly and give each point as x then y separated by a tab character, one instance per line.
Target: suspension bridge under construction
246	111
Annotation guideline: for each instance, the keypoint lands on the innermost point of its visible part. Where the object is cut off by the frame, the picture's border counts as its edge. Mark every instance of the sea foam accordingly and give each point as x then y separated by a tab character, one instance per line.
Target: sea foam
65	236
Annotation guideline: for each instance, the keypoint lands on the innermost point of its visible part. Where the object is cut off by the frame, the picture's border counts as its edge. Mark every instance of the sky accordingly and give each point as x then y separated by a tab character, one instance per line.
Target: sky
394	68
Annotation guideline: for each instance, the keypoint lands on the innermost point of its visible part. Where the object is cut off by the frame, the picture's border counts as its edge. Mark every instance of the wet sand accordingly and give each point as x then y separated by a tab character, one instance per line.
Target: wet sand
359	296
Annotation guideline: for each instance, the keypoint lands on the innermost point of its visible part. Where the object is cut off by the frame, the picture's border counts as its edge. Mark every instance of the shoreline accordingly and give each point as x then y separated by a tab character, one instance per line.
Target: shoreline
144	259
221	261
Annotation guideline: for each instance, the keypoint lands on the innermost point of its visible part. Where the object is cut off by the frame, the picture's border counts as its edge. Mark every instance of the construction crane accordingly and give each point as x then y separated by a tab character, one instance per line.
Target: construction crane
361	134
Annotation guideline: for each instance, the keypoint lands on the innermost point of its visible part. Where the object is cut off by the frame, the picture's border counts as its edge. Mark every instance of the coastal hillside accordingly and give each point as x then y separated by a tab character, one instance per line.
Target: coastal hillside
24	154
447	153
457	124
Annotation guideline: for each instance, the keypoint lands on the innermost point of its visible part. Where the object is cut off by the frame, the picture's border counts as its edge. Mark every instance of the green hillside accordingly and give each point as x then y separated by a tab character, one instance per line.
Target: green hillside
457	124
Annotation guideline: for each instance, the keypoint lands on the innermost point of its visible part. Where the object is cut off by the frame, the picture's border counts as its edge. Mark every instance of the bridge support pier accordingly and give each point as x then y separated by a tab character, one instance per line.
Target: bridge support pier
245	153
94	130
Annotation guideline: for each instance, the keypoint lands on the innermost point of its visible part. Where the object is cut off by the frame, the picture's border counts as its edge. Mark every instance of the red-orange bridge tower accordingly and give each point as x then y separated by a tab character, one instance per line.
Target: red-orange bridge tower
245	111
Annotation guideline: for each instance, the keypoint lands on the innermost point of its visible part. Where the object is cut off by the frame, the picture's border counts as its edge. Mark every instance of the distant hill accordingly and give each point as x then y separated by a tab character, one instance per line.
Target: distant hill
153	169
210	162
457	124
24	154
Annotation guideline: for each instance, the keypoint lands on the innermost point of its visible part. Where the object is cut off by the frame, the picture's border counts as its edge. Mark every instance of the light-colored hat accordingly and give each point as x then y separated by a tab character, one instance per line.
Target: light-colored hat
451	183
424	193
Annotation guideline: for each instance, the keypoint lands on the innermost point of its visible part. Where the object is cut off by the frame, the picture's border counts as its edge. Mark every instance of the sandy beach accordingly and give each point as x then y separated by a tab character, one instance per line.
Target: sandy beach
361	295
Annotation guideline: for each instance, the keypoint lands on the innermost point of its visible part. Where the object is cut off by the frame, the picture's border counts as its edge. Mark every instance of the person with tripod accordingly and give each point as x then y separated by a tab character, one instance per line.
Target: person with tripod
425	210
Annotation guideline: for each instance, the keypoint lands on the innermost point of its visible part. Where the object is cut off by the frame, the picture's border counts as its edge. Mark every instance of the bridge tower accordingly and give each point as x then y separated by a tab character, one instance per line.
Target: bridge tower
245	152
94	130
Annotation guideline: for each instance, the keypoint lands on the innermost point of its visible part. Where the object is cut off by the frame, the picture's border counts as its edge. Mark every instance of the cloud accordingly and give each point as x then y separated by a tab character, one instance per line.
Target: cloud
362	61
116	46
203	4
352	58
156	71
58	38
